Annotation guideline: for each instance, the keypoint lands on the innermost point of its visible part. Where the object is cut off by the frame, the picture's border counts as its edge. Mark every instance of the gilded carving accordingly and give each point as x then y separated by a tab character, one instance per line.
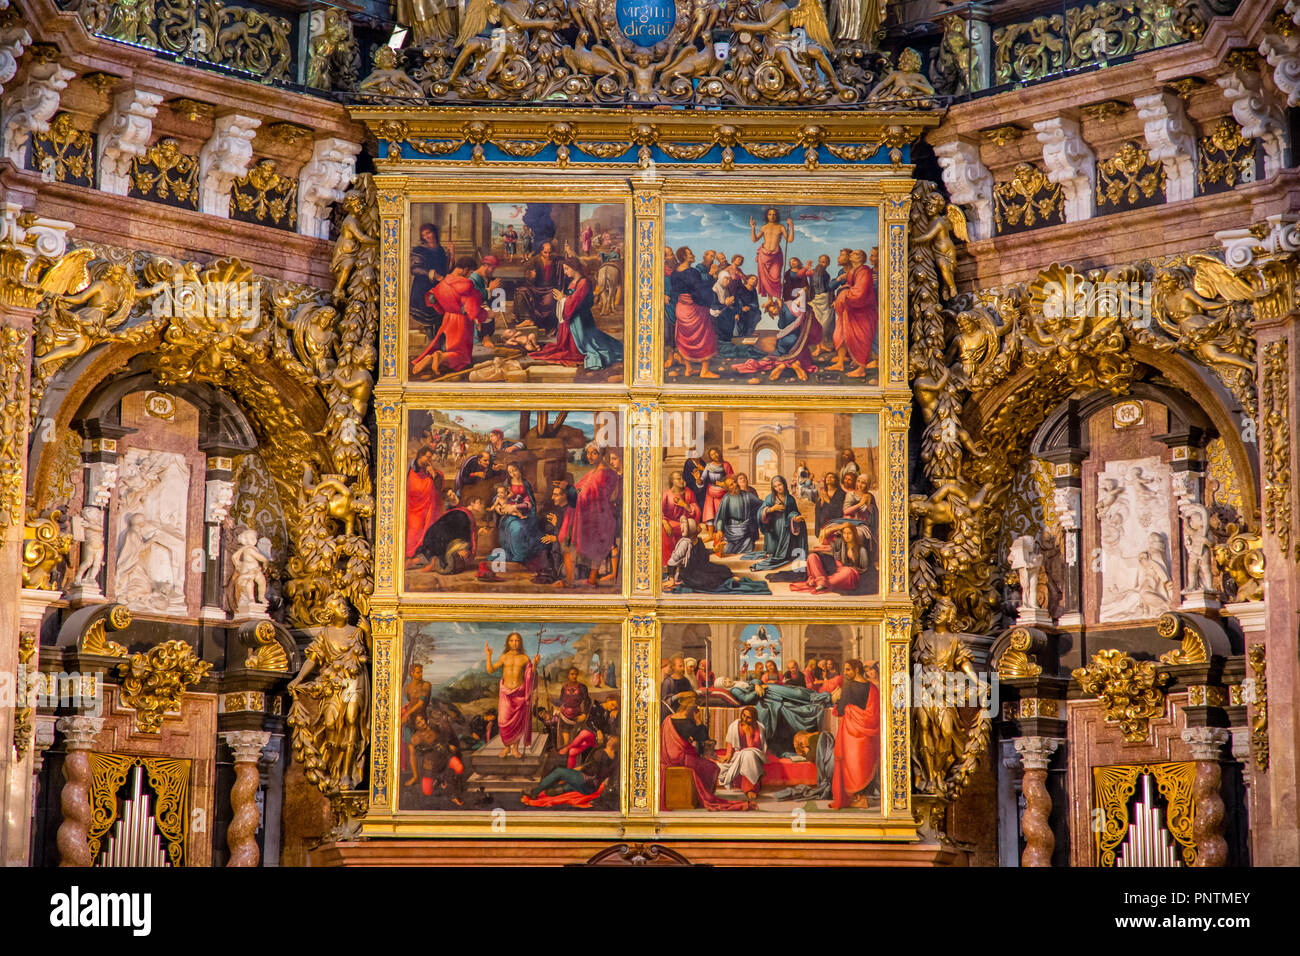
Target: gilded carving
169	777
1241	556
1128	177
1259	720
1027	200
1192	649
95	639
1131	692
13	422
264	196
165	174
1225	157
64	153
947	748
155	681
44	546
269	654
331	702
1275	443
1016	660
1113	789
23	710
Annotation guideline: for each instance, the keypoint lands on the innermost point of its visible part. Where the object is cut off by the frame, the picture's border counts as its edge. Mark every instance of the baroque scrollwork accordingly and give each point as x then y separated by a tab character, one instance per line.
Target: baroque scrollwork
775	52
154	681
65	153
165	174
1131	692
1027	200
266	197
1036	343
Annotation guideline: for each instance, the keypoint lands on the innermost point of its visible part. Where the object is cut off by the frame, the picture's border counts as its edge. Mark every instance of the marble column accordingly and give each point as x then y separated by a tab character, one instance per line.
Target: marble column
1036	823
241	836
1206	745
74	832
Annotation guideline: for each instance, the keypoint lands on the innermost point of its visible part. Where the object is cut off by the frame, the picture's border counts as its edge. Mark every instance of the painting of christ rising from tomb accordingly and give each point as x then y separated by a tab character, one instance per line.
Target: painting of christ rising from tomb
769	716
516	292
510	716
763	294
510	501
766	502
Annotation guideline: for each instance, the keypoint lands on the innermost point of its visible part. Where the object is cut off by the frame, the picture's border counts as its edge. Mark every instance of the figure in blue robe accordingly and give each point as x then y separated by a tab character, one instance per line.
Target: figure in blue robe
737	519
784	536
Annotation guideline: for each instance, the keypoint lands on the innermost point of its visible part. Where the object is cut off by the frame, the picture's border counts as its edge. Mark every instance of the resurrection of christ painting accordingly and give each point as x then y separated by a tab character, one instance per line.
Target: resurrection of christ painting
771	502
775	716
516	292
764	294
510	501
510	715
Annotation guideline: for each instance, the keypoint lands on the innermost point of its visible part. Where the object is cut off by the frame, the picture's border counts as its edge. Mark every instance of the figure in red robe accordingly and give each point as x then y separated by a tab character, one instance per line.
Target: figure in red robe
855	318
591	526
857	744
463	312
678	503
680	737
423	499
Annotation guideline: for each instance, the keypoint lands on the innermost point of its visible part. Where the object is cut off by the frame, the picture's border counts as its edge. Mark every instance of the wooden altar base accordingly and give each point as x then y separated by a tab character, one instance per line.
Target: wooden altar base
603	852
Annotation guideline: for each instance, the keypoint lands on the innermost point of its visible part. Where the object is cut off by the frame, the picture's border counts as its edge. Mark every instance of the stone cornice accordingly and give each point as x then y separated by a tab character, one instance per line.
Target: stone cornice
87	53
176	233
1155	231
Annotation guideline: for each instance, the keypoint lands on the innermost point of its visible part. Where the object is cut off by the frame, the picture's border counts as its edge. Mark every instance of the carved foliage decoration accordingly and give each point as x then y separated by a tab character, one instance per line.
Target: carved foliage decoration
1027	200
264	196
13	389
1259	720
165	174
1131	692
1067	331
153	682
64	153
1225	158
1275	424
1129	179
44	546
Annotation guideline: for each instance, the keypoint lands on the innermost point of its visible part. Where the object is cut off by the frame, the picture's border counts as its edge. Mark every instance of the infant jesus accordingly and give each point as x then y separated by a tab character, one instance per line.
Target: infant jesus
502	504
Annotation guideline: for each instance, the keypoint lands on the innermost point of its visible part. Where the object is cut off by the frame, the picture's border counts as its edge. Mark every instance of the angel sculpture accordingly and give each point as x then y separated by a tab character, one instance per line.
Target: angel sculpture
778	24
74	321
495	53
946	220
906	84
1200	318
978	341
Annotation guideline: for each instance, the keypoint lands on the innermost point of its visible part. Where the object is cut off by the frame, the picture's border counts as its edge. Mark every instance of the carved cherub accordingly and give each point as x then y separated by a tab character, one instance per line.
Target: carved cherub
977	341
1200	318
945	222
388	78
778	24
88	528
495	51
72	323
906	82
249	566
1199	545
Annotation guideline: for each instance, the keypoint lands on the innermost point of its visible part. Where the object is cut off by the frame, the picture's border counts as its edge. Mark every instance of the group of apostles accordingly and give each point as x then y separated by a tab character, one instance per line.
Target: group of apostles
817	317
782	715
567	538
709	512
459	301
579	762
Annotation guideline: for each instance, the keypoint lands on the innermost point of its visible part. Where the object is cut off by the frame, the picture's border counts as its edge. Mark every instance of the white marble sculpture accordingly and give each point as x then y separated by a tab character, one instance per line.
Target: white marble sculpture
1133	507
248	587
1199	545
88	528
153	503
1026	559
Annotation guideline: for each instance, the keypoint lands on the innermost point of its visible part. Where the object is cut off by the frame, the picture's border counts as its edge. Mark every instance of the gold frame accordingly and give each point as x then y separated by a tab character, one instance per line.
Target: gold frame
641	396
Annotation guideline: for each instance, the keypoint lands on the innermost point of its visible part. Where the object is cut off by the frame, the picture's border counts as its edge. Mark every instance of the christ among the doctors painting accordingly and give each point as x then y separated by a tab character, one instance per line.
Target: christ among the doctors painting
771	502
513	501
763	715
509	715
764	294
516	292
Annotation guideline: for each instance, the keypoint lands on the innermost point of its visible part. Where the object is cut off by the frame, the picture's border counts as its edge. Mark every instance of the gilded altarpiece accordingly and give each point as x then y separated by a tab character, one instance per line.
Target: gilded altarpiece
568	567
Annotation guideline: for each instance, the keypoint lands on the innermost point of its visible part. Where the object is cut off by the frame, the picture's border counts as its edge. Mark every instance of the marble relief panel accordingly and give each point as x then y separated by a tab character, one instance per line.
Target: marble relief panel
1132	507
153	498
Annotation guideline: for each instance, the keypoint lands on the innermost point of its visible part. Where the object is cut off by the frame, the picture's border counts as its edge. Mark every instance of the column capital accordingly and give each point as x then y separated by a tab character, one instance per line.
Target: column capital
1206	743
79	732
1036	752
246	745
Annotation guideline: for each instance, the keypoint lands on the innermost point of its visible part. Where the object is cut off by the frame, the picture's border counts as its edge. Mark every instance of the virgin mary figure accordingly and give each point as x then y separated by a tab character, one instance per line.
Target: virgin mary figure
784	535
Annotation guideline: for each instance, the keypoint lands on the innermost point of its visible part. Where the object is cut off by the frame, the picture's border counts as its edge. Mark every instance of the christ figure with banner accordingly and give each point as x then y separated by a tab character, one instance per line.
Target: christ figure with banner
515	694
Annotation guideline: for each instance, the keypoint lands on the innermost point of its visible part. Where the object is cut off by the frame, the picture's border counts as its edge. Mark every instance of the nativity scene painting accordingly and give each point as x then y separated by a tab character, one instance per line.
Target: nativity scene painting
511	501
509	715
774	716
768	502
771	294
516	292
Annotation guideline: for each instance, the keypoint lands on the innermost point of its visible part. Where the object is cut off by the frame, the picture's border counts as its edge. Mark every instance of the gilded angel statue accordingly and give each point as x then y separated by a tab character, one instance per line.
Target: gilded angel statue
778	24
945	221
494	54
1200	318
75	320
